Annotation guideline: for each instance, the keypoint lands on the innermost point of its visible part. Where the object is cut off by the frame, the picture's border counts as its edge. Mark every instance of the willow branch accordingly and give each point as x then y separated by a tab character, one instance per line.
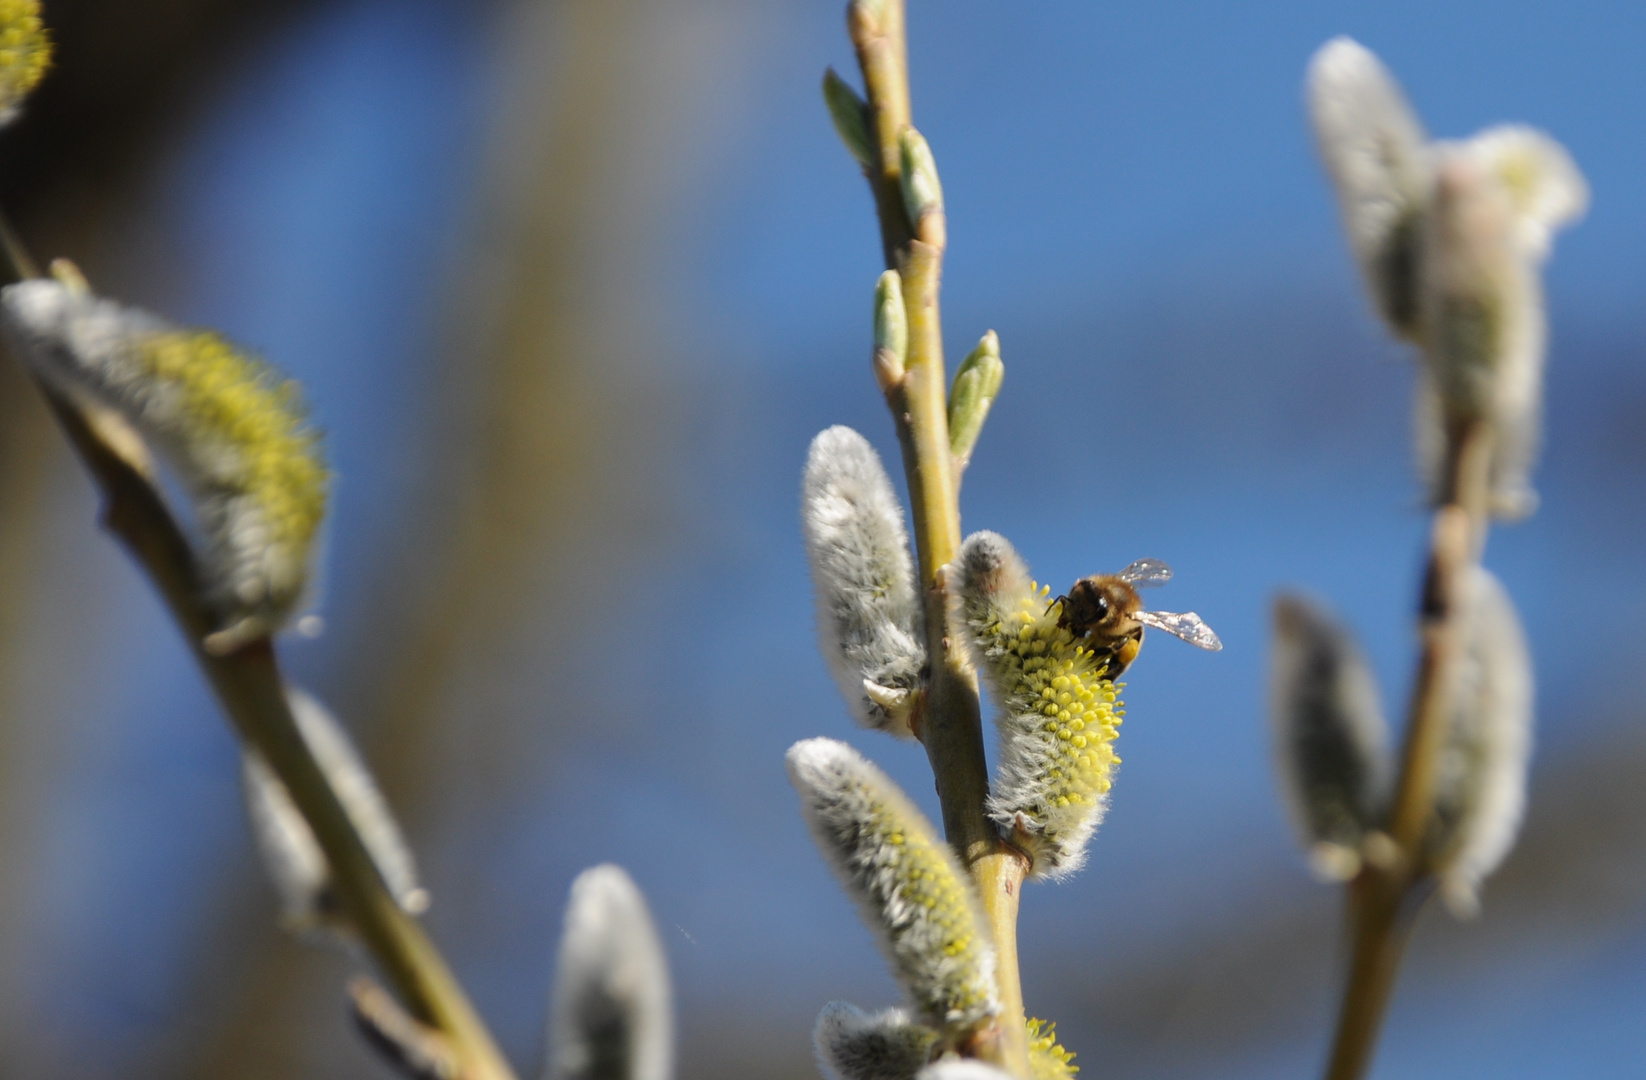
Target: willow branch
252	692
1385	897
951	725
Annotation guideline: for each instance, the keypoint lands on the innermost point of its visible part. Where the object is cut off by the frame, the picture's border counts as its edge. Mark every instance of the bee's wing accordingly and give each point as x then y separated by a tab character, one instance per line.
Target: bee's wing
1146	572
1186	625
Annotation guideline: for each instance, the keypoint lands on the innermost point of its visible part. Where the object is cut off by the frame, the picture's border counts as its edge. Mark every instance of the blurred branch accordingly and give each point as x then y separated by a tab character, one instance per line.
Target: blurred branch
249	685
1385	896
951	725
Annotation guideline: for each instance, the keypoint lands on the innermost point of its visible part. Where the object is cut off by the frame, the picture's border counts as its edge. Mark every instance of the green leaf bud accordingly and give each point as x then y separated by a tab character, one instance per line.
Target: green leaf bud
976	385
922	192
850	115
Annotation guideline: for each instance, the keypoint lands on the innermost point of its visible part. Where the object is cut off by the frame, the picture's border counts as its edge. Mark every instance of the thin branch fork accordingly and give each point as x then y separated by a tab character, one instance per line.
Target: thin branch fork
1385	897
951	724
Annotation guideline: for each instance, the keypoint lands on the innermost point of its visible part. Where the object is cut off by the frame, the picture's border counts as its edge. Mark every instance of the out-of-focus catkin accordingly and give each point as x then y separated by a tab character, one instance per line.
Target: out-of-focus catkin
611	1016
1331	739
1480	788
290	852
234	431
25	53
1450	237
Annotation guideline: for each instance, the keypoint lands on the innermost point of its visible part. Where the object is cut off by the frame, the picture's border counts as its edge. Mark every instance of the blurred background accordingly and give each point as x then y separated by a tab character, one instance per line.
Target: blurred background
572	284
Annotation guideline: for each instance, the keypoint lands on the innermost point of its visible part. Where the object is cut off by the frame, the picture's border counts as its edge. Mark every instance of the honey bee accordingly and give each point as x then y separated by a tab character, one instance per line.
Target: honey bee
1105	614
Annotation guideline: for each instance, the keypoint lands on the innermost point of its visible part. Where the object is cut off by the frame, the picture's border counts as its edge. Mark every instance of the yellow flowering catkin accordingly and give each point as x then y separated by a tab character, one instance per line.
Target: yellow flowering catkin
25	53
234	431
906	881
1057	714
1048	1060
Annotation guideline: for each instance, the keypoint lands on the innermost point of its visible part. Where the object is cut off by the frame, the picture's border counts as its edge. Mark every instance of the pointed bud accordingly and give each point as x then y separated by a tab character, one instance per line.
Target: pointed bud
611	1017
234	431
891	331
25	53
1373	148
1480	783
1056	713
854	1045
1330	735
976	385
868	608
290	852
907	884
922	193
850	116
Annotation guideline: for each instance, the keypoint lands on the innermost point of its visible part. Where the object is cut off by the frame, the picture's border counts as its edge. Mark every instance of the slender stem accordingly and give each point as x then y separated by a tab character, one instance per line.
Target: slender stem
1380	899
253	694
952	728
249	686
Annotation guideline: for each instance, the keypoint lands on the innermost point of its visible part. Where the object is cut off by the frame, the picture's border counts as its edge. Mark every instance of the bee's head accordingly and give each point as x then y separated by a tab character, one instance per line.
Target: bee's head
1102	606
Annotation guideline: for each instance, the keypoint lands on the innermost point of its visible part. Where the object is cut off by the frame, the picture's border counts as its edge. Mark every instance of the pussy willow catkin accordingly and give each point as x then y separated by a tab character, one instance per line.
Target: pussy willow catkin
233	430
1450	237
868	609
854	1045
612	1016
290	851
1056	713
906	881
1331	739
1480	786
25	53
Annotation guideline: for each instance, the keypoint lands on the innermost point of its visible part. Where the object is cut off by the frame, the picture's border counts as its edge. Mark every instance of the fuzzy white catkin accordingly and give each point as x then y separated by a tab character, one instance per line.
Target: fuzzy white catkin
611	1017
1331	739
1451	237
1373	146
1480	786
854	1045
1497	199
290	852
906	881
231	429
868	608
1056	714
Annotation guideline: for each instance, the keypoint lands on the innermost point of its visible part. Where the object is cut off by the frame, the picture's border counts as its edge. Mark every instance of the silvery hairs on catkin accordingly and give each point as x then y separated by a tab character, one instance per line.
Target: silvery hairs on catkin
1450	237
611	1016
290	852
1480	786
854	1045
1056	714
230	428
1331	740
907	883
868	609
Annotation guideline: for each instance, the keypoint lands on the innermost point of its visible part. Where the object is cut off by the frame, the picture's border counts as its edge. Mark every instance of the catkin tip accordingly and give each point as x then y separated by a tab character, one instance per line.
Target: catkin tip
611	1016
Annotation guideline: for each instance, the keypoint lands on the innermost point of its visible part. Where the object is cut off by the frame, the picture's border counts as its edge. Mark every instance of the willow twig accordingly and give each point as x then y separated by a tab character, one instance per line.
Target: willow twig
252	692
950	725
1385	897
